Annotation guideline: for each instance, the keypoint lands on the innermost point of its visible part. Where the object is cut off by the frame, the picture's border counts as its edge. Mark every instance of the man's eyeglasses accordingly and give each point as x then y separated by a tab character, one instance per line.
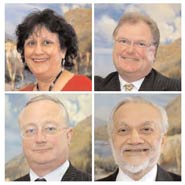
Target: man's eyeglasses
140	44
49	129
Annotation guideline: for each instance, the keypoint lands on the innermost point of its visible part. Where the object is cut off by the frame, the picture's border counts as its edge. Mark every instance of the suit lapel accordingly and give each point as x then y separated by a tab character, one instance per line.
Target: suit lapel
24	178
162	175
147	84
115	83
111	82
111	177
114	175
70	174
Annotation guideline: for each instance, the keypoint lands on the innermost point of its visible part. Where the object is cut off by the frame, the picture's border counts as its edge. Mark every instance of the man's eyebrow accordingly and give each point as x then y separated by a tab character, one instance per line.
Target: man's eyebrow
122	123
119	38
145	123
28	124
150	123
51	122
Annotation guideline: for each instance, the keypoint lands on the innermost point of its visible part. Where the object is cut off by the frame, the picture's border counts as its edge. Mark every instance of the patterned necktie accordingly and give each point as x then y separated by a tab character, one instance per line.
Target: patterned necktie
128	87
40	179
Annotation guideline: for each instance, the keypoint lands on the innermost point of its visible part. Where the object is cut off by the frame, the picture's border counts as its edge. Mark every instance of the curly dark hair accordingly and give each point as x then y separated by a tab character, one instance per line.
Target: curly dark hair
54	23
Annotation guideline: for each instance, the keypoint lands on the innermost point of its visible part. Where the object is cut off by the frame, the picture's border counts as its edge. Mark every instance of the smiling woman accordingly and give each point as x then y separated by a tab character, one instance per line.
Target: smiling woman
48	45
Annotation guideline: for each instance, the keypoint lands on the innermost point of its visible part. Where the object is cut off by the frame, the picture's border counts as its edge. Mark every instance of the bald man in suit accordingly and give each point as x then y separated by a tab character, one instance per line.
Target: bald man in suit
46	136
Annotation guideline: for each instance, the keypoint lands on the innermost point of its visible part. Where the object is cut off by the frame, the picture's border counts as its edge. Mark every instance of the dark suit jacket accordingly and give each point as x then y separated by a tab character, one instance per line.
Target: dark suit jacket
162	175
154	81
72	174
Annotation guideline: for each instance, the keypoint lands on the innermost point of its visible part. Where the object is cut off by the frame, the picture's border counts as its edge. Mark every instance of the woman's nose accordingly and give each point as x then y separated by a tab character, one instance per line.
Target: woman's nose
38	48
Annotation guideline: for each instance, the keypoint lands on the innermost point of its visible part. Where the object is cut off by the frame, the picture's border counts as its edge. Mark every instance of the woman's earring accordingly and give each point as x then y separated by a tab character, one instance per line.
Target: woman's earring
63	63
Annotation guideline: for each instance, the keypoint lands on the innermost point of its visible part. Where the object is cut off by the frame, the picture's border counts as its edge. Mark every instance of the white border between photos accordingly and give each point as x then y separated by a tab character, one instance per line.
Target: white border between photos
2	94
2	90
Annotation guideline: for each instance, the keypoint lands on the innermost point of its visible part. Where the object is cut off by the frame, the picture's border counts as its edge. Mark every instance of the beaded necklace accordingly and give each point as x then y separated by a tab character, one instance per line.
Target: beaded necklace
52	84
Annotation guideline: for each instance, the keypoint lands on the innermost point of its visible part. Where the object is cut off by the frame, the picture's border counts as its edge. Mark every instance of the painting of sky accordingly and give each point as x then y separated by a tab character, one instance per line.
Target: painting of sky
104	103
15	13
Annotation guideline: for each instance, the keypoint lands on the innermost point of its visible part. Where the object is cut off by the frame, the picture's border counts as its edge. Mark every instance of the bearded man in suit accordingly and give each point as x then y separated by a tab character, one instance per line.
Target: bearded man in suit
136	40
137	132
46	135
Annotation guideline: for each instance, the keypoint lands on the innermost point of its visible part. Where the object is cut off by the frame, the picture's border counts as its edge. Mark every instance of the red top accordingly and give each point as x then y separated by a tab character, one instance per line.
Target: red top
76	83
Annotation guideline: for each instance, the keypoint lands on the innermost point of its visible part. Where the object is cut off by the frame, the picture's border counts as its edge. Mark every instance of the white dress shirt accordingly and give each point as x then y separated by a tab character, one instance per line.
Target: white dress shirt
55	175
150	176
137	84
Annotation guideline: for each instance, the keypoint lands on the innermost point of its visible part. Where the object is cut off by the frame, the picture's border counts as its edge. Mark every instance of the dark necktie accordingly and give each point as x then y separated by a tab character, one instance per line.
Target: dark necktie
40	179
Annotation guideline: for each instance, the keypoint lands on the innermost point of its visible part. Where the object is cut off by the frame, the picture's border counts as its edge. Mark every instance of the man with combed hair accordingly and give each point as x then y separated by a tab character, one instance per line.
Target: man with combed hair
46	135
136	134
136	40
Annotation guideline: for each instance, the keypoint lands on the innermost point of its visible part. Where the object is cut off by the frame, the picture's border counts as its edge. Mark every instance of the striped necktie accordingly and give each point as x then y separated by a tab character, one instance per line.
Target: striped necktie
128	87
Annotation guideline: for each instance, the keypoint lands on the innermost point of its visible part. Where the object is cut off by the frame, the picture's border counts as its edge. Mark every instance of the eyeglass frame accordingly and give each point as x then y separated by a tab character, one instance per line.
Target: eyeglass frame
42	130
134	43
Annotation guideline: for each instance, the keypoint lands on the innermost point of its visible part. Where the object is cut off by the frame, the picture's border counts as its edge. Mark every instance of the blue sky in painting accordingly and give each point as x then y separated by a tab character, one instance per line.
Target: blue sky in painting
104	103
15	13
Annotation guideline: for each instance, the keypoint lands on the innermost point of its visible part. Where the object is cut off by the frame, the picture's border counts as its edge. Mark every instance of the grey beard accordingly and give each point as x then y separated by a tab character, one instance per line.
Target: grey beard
133	168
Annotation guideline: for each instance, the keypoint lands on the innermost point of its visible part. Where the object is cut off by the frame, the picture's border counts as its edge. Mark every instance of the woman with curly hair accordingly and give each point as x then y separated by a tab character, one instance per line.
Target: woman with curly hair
48	45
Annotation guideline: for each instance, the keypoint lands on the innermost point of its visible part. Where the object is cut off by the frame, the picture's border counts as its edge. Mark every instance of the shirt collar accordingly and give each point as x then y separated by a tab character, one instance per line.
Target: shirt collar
55	175
137	84
150	176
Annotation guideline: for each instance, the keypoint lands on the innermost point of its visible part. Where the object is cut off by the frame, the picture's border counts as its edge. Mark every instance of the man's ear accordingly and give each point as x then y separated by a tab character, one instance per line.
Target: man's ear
164	140
151	53
69	135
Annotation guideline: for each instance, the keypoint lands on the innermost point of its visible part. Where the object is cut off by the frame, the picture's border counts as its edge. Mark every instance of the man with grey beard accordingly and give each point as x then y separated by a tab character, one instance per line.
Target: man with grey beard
136	40
137	131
